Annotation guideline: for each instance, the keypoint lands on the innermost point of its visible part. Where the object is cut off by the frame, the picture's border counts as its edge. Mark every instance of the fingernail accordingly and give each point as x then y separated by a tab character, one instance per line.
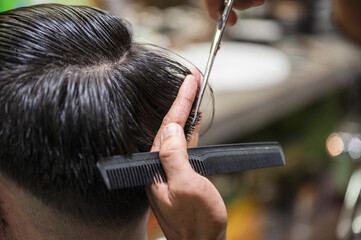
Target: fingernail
189	77
171	129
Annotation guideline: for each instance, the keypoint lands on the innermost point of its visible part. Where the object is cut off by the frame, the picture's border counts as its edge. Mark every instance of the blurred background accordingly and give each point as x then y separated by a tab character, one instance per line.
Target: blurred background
288	71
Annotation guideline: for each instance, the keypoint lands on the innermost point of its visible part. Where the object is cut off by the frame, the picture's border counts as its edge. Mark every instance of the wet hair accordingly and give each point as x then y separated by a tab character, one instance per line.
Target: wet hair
74	87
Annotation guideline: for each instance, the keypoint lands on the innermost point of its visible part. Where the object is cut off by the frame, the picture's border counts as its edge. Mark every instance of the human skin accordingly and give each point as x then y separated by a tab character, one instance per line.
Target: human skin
347	15
214	7
187	206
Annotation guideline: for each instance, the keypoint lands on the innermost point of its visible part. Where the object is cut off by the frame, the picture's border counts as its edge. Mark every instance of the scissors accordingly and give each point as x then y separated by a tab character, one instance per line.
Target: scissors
216	44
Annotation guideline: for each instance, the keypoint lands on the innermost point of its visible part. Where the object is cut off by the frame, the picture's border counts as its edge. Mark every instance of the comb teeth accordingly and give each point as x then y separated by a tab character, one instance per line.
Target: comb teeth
134	176
197	165
145	174
140	175
141	169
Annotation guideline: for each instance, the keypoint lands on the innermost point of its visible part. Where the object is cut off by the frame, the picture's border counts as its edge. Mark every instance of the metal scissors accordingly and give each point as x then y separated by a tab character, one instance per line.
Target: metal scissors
216	44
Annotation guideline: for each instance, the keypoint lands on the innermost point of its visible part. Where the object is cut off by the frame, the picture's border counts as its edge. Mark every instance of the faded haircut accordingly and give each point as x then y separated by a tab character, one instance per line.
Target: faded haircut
75	88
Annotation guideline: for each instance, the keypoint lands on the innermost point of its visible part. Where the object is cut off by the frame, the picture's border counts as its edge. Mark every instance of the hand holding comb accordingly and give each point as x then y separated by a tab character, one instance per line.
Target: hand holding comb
142	169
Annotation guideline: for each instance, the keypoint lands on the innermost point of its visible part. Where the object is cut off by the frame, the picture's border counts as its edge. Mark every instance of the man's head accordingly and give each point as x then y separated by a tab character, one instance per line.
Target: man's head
75	88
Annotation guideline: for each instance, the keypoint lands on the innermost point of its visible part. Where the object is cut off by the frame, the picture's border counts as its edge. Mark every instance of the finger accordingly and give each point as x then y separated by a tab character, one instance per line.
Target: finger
173	153
193	142
232	20
241	5
213	7
258	3
195	72
179	112
244	4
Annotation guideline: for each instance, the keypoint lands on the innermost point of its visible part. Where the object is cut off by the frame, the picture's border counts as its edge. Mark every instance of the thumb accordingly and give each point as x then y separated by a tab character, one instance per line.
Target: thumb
173	152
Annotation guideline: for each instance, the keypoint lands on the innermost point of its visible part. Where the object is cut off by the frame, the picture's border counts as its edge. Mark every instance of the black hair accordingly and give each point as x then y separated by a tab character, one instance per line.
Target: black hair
75	88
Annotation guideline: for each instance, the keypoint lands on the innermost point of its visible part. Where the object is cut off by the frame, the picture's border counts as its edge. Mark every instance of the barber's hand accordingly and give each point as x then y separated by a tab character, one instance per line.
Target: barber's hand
188	206
214	7
179	112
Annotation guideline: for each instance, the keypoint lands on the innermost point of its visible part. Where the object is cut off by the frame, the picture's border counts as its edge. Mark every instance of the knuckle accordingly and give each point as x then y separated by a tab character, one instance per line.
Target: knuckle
188	101
171	147
192	187
185	104
184	193
166	153
179	121
167	119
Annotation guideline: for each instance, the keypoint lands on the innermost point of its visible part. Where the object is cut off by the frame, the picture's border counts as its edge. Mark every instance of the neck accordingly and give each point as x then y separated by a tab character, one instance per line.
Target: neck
22	216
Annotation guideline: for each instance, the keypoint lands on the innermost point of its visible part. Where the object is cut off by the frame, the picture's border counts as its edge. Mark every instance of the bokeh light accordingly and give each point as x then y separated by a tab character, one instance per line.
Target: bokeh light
335	145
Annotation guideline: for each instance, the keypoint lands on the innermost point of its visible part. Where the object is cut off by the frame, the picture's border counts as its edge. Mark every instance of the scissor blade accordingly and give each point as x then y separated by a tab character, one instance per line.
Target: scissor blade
207	72
213	52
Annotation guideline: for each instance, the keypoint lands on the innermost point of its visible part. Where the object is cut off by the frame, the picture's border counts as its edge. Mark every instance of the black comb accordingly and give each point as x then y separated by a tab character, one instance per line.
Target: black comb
145	168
